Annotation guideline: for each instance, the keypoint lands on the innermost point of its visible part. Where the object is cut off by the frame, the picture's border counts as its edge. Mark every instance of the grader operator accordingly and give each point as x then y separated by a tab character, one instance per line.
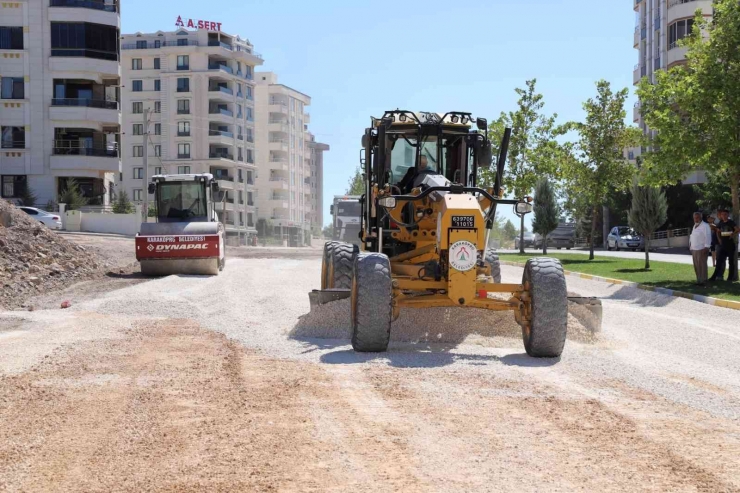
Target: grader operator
424	231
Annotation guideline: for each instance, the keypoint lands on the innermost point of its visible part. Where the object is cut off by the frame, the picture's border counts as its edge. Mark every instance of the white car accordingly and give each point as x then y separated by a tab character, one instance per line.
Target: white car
53	221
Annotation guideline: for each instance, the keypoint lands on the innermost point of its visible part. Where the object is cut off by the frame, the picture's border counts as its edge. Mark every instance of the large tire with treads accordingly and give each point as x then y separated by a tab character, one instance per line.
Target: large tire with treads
549	308
341	263
326	259
371	310
495	263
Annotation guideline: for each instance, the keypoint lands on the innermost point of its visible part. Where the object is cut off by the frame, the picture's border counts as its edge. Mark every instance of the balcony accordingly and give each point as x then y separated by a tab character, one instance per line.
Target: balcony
91	11
221	93
636	43
279	108
157	44
85	4
278	126
98	111
216	136
220	155
681	9
278	145
73	155
98	65
675	54
221	67
279	183
215	42
636	113
636	75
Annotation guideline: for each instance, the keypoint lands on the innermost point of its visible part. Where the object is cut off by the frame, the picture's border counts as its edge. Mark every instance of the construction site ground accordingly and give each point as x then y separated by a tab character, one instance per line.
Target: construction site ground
227	383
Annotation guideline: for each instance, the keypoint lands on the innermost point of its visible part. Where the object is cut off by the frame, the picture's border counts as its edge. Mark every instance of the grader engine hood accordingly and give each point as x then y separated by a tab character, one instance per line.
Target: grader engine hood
460	234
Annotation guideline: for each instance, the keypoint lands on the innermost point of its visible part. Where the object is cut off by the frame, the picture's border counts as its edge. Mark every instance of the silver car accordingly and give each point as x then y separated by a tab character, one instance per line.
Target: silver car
624	238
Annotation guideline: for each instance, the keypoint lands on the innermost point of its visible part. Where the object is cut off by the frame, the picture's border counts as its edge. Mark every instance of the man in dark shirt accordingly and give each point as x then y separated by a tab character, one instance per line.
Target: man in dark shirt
726	235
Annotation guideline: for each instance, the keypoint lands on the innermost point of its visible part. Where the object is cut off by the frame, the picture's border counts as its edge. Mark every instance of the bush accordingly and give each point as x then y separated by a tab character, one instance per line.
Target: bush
72	196
123	205
26	196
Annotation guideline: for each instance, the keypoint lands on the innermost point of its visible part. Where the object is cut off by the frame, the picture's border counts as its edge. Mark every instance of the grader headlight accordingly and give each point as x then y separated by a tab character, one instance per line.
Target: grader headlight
387	202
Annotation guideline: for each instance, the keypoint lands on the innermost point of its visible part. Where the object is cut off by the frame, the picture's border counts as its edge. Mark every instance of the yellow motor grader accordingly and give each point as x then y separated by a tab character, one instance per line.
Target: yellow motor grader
424	235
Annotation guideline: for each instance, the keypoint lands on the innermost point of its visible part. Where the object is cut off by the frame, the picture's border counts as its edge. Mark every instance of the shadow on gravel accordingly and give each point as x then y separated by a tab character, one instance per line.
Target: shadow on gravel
431	356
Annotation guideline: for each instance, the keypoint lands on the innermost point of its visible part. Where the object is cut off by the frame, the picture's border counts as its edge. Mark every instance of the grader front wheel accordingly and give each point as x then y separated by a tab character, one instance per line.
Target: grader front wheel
371	310
546	322
341	262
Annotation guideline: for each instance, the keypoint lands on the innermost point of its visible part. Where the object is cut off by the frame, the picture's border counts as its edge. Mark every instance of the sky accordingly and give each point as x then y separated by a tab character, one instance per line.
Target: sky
357	59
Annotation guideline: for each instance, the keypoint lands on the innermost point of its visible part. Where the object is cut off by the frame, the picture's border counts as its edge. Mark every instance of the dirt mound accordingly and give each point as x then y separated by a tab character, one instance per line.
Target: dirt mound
34	259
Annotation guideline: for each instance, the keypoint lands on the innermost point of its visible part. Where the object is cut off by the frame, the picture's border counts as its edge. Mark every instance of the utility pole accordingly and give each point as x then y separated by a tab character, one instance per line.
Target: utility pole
146	165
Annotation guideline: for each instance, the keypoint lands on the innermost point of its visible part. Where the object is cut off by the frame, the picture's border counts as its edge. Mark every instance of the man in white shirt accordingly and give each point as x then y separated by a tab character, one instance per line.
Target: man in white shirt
699	243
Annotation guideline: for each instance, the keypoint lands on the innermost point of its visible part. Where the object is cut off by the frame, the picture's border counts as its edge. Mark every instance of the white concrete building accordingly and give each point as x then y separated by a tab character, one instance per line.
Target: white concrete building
660	24
59	112
198	88
284	161
316	182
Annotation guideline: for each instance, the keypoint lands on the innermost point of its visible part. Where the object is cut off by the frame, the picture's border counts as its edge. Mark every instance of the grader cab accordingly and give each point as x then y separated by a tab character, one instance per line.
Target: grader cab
424	234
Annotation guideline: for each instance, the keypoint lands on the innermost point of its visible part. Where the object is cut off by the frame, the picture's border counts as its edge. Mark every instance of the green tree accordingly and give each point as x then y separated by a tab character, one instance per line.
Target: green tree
27	196
328	231
715	193
509	232
695	107
596	163
356	185
533	149
546	210
648	212
72	196
122	204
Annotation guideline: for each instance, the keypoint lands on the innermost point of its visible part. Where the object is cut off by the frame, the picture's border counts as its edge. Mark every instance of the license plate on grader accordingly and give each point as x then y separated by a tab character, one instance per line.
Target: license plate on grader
424	235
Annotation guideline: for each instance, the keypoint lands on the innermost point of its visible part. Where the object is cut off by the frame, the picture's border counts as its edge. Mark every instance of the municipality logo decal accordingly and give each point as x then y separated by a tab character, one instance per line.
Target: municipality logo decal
150	247
462	256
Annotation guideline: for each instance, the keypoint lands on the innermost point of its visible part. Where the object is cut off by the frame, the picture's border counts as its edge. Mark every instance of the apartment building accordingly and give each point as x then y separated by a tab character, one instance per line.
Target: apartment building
59	112
196	89
316	182
284	161
660	25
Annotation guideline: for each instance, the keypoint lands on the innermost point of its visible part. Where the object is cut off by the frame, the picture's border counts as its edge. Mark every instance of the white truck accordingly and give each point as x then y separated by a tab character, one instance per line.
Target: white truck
346	211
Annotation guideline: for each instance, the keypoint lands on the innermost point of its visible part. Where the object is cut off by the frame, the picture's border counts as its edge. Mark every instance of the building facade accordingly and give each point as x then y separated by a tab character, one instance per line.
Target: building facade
660	25
316	183
197	91
284	201
59	110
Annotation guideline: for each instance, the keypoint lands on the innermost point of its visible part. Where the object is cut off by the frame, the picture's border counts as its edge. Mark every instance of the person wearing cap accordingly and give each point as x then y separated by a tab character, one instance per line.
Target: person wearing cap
726	234
700	242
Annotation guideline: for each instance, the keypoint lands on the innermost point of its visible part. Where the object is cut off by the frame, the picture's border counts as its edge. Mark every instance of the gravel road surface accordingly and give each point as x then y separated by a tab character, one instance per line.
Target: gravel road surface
229	383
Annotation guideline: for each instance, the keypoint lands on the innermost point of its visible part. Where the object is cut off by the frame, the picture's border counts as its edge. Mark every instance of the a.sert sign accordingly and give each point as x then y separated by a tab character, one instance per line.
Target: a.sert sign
193	24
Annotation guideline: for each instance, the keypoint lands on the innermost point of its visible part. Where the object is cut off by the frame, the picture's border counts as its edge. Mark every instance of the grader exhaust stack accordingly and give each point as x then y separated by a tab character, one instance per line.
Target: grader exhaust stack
187	237
423	235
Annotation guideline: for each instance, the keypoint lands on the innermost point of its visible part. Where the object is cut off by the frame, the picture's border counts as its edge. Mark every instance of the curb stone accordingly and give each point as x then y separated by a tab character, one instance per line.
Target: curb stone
732	305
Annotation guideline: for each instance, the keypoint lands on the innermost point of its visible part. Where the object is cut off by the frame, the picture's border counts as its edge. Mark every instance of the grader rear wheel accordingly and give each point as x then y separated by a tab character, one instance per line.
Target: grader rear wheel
328	251
341	262
544	336
495	263
371	310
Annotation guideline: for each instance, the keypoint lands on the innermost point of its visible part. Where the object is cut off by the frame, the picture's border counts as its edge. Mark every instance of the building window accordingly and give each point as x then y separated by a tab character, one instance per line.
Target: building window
250	156
11	38
137	86
240	174
138	173
241	156
248	92
679	30
138	151
136	64
250	117
183	106
157	85
250	135
158	153
183	151
138	129
158	107
183	84
248	72
157	129
137	107
158	169
183	129
182	42
238	111
141	45
12	88
137	194
183	170
13	137
156	64
84	39
183	61
12	185
157	43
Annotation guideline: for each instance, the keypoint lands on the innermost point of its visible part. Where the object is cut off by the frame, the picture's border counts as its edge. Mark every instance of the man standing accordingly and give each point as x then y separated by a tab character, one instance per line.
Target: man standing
726	234
699	244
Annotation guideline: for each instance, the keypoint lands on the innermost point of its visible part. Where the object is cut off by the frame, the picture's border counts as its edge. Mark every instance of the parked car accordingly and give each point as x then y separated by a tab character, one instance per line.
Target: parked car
53	221
624	237
564	236
529	239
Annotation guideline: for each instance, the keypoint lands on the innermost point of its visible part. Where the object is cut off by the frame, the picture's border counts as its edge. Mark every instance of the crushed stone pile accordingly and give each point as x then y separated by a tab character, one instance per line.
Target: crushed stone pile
34	260
429	325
